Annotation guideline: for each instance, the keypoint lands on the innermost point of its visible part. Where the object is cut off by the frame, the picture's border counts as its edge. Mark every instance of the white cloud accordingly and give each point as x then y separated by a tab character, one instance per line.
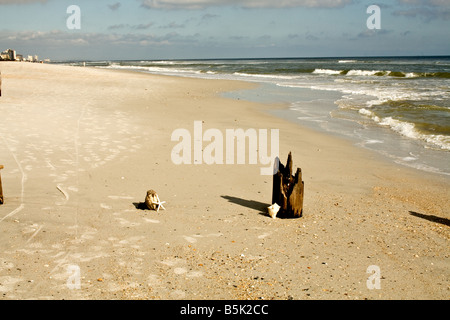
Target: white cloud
426	9
428	14
141	26
436	3
58	38
200	4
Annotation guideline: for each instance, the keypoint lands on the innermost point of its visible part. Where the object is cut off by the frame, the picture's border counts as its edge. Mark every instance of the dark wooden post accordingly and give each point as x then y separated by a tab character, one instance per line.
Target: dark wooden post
1	190
288	190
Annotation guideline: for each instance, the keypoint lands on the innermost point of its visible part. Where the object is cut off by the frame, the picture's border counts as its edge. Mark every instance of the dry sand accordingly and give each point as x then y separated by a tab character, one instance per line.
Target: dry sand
82	146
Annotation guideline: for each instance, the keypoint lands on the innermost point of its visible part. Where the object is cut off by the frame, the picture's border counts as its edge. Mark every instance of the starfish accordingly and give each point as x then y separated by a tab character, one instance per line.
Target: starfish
159	203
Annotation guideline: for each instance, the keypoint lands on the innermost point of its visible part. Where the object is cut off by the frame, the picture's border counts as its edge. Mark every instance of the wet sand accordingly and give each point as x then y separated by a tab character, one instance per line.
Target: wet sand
82	146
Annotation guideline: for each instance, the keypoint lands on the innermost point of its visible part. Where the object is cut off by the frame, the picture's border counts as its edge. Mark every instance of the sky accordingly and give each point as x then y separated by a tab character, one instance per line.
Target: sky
214	29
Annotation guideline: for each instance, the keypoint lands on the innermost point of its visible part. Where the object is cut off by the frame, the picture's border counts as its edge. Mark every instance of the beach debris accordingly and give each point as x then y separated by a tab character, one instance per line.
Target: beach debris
1	190
288	190
66	195
273	210
153	202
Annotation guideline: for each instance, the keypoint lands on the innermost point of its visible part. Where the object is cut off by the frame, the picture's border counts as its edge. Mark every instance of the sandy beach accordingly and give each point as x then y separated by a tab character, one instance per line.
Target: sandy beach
81	147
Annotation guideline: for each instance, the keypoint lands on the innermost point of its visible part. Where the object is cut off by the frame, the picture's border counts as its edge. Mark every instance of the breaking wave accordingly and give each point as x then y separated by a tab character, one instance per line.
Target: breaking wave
409	130
382	73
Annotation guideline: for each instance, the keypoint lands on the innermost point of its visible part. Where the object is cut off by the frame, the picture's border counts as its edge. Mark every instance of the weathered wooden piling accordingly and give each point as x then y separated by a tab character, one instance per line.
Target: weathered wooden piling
288	190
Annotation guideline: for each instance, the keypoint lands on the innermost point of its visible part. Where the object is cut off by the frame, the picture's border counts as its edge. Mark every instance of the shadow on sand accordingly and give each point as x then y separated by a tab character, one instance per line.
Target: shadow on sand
140	206
432	218
252	204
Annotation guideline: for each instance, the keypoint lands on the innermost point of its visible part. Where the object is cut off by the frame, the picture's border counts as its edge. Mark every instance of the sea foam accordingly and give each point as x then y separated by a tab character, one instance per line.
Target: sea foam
409	130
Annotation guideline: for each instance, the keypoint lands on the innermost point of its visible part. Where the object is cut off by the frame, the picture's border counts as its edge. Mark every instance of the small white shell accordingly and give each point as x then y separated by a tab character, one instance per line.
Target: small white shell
273	210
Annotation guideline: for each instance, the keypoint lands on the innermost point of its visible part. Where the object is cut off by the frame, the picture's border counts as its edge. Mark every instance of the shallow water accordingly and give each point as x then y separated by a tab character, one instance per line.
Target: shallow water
317	109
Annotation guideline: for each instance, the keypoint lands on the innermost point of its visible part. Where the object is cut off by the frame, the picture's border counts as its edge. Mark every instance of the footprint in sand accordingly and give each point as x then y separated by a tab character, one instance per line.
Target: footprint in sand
7	283
264	235
194	274
126	223
151	220
179	270
171	262
193	239
105	206
190	239
191	274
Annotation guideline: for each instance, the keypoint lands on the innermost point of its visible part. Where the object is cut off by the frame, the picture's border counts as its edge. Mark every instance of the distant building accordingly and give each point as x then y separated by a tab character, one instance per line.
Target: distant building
9	55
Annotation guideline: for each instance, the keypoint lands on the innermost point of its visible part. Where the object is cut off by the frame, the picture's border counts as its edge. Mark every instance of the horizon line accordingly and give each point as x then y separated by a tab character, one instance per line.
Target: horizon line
257	58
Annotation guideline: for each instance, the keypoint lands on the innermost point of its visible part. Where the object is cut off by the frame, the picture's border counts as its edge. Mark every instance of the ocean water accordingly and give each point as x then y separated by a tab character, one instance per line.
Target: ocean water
397	106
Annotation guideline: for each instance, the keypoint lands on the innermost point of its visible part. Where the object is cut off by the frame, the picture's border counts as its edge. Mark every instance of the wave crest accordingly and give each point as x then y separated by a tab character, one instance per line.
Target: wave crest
408	129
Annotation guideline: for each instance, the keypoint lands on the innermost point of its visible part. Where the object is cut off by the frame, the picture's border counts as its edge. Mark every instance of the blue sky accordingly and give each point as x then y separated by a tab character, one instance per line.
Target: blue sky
190	29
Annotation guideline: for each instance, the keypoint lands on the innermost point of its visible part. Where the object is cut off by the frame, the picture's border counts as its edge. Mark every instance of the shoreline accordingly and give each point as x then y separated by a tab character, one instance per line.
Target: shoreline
104	139
302	110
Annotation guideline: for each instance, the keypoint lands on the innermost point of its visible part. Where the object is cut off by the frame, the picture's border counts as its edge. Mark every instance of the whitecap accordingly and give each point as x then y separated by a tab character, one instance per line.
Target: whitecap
373	141
326	71
361	73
